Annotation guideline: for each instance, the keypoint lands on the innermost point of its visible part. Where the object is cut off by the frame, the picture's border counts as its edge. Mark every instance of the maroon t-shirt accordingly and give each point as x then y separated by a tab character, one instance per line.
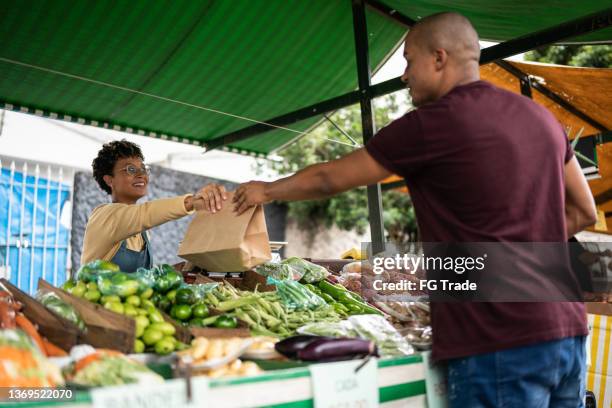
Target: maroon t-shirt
482	165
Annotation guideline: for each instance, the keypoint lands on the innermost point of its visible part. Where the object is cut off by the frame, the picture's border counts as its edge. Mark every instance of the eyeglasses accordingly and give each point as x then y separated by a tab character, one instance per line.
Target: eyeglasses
137	171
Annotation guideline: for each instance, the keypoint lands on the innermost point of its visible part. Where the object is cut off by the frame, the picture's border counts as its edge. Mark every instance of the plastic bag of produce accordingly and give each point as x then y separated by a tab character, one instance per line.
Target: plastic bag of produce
166	278
310	272
295	296
54	303
145	278
119	283
100	368
329	329
188	294
90	271
389	341
371	327
279	271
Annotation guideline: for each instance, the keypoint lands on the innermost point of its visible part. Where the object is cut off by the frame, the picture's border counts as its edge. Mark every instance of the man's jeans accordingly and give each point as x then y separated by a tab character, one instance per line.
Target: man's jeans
550	374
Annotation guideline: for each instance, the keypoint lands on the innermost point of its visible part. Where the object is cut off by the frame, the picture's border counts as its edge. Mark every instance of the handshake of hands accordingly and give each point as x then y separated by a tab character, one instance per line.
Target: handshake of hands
213	197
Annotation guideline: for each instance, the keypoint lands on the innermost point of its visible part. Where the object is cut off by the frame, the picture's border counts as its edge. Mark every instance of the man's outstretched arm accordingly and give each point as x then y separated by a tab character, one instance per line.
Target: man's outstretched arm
314	182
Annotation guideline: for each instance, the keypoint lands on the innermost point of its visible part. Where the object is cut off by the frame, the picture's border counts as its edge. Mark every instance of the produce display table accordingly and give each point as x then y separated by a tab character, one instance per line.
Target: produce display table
401	383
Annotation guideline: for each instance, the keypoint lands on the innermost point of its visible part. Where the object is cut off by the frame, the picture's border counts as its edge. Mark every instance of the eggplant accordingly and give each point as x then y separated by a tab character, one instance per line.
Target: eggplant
337	349
290	346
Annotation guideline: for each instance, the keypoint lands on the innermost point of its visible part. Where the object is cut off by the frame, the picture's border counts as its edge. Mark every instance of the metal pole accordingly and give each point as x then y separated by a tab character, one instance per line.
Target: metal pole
33	239
46	227
10	213
526	86
364	77
21	217
57	224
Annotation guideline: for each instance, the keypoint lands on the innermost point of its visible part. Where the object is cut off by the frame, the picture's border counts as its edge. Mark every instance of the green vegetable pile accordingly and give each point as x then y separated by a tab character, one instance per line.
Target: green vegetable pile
264	312
342	300
130	295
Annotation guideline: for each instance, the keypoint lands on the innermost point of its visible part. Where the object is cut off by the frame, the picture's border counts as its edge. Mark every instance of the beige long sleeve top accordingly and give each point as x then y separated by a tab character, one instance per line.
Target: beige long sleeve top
110	224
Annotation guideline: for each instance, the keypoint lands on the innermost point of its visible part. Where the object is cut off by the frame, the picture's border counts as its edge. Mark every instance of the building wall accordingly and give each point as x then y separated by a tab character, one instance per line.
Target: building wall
323	243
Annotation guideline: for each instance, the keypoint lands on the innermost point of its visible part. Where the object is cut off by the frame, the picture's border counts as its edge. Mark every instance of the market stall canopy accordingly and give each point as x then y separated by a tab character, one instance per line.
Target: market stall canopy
195	70
587	89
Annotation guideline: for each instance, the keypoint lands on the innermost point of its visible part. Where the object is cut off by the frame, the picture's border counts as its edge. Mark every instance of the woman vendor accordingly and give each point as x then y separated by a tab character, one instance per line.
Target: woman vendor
116	232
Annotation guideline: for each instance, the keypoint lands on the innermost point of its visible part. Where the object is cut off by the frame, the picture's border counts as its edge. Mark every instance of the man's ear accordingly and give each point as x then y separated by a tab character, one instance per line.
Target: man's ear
109	181
441	58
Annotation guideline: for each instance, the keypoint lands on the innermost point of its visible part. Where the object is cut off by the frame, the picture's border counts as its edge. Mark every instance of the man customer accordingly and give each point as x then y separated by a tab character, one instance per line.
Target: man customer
482	165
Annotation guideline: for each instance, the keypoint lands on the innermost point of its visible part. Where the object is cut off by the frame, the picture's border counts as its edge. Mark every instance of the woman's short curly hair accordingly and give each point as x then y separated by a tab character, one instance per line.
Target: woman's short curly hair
107	157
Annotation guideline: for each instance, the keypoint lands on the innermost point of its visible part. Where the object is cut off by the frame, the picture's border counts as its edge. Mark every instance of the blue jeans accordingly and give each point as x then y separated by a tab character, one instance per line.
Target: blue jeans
549	374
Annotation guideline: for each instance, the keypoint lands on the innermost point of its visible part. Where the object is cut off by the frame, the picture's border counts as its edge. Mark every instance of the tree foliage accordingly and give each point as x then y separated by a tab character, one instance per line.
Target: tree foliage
596	56
348	211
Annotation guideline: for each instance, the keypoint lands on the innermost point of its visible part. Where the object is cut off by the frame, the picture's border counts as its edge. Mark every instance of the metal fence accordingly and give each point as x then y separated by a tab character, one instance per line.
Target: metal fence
34	223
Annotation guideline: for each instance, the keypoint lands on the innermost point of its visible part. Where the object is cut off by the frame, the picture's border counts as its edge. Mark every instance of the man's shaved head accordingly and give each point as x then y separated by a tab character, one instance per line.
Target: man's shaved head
450	31
442	52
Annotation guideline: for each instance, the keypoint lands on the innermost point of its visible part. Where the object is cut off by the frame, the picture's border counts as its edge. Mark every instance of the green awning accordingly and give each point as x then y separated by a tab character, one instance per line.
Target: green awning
501	20
166	69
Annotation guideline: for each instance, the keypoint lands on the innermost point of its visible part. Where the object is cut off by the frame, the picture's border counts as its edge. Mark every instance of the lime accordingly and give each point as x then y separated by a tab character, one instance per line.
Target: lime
133	300
107	265
197	322
156	317
164	346
92	286
171	296
146	302
118	278
93	295
141	324
181	312
139	346
151	336
79	291
68	285
146	294
185	296
110	298
126	288
200	310
115	307
129	310
166	328
164	304
141	312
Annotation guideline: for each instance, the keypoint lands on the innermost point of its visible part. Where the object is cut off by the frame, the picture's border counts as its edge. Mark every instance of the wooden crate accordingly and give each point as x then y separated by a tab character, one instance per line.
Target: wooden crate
105	329
54	327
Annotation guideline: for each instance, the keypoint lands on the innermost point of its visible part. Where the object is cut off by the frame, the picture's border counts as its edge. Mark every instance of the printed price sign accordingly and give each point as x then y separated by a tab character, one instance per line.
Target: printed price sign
171	393
337	385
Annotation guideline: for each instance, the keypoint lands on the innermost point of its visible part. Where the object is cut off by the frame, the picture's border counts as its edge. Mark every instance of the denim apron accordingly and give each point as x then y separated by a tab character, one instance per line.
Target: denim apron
129	261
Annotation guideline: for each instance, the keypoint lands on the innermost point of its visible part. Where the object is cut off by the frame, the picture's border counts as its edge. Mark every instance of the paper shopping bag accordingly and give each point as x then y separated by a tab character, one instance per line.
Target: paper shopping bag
226	242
